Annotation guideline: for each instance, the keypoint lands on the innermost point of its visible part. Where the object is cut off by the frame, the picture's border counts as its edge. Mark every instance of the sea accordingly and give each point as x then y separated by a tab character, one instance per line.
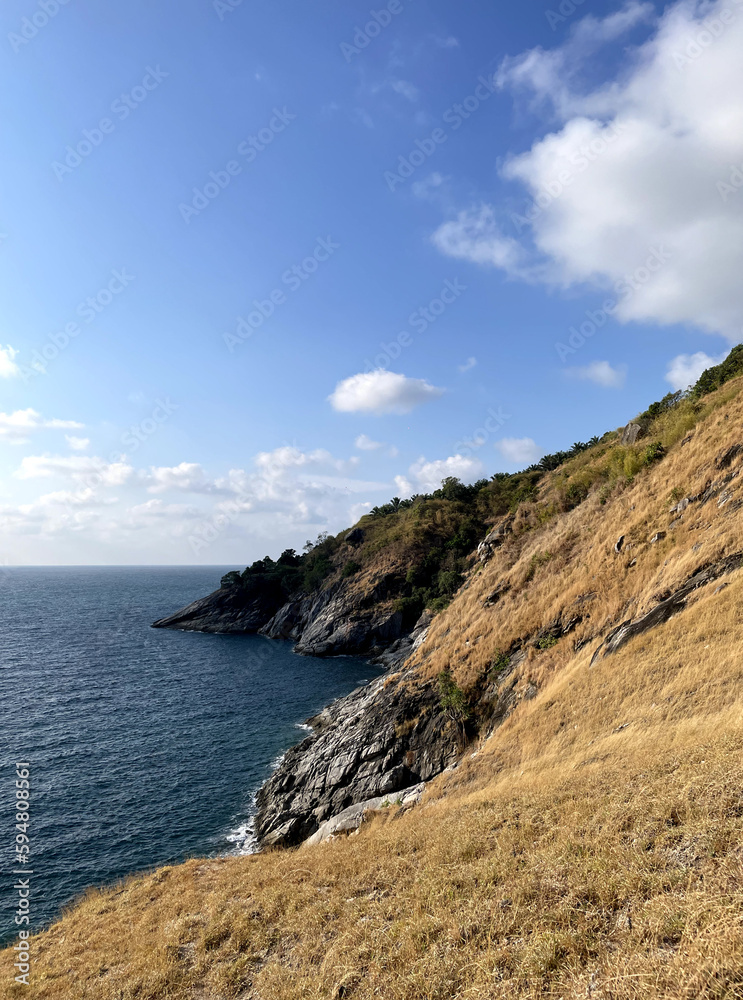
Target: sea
144	746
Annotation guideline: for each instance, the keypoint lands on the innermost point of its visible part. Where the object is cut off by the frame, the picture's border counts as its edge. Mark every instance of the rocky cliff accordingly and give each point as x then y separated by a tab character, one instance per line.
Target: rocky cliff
380	739
227	610
620	538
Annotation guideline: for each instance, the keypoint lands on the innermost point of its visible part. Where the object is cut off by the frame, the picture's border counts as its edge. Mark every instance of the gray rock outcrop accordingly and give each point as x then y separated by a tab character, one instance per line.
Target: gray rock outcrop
227	610
380	739
667	608
631	433
335	622
494	539
352	818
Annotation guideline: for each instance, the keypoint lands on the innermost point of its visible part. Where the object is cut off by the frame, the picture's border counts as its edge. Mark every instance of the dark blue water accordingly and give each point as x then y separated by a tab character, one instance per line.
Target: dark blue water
146	746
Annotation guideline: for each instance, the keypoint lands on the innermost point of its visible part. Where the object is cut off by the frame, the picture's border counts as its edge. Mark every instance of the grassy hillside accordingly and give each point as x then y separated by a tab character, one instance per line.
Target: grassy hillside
590	845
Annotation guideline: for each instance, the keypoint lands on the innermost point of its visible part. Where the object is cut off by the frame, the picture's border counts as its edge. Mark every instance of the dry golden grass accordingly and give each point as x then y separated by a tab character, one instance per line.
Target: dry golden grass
549	567
591	847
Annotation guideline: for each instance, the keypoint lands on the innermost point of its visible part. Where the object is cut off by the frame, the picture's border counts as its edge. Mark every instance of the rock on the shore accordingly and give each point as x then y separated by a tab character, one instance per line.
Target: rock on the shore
226	610
335	622
380	739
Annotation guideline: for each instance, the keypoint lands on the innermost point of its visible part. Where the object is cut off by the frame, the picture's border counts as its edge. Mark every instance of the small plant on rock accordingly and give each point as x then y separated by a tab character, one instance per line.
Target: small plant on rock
453	700
498	664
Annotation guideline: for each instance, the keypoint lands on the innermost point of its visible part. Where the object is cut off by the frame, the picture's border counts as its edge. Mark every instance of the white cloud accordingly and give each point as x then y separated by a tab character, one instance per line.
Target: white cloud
188	477
405	89
404	487
151	509
428	186
685	369
286	496
381	392
469	364
96	471
428	476
84	497
365	443
17	426
600	372
519	451
358	510
77	443
475	236
8	367
632	180
276	463
547	75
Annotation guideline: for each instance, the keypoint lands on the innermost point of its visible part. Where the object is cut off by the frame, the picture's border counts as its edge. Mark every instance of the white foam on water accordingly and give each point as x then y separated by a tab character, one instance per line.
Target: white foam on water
244	839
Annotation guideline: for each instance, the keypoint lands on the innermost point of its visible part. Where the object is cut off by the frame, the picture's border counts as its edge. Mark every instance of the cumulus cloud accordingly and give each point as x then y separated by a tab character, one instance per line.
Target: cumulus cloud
684	370
84	497
365	443
639	186
476	236
381	392
156	509
77	443
428	476
601	373
94	471
519	451
285	496
8	367
187	477
17	426
547	76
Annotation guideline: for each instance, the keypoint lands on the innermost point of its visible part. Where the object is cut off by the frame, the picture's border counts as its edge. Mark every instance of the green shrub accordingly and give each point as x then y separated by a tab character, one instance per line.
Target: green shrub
498	664
574	495
548	642
452	698
652	453
351	568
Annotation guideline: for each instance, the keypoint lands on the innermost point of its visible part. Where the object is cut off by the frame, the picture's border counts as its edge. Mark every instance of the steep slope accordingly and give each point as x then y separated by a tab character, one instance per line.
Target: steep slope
589	840
647	526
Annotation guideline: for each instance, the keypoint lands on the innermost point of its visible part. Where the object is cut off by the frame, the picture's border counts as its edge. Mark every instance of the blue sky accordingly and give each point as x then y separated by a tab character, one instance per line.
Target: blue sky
264	265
